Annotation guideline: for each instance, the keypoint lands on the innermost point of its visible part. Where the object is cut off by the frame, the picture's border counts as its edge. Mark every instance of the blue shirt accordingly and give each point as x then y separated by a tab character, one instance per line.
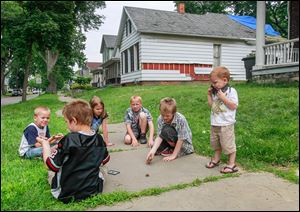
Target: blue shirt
96	122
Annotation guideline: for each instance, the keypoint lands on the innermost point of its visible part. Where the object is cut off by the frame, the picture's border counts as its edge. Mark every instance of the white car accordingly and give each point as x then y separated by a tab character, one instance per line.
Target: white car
35	91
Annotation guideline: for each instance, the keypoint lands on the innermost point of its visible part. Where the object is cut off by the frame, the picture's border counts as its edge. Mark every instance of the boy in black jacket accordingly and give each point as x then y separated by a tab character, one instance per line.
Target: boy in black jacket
77	159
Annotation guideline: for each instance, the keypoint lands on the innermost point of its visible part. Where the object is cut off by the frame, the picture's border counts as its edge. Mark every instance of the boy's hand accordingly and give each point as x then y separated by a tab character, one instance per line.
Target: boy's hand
53	148
110	144
169	158
150	143
59	136
209	91
55	138
221	95
134	143
149	157
41	139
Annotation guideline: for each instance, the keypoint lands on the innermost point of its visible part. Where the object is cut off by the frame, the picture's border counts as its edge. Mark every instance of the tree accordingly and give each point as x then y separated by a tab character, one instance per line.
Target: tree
10	12
276	11
63	22
51	29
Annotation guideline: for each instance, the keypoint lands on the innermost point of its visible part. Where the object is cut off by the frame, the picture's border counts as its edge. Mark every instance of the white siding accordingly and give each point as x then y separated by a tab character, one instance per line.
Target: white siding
126	43
129	41
231	57
184	50
162	49
154	75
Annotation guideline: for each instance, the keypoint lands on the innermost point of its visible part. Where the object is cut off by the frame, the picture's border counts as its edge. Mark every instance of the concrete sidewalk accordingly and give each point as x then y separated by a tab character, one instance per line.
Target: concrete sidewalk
249	191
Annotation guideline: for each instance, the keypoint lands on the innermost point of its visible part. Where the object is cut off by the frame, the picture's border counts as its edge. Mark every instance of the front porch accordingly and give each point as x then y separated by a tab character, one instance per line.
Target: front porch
281	63
277	62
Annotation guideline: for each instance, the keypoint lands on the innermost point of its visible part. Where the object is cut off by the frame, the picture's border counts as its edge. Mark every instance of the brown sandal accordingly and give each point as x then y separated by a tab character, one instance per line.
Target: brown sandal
212	164
232	169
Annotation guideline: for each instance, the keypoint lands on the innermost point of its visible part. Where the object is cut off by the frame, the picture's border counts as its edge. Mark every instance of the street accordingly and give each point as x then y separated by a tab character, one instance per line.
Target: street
15	99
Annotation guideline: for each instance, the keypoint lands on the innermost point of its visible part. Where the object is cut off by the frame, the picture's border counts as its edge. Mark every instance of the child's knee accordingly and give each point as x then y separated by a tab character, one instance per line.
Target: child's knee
143	116
127	139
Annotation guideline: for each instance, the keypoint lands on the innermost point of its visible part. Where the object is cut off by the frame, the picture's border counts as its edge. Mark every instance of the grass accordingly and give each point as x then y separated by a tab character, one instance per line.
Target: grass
267	134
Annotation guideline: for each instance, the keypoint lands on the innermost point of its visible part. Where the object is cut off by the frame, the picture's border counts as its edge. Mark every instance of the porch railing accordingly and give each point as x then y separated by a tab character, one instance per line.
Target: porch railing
282	53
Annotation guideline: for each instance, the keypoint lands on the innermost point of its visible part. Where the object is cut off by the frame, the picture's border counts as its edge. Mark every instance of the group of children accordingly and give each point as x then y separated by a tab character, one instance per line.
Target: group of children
76	158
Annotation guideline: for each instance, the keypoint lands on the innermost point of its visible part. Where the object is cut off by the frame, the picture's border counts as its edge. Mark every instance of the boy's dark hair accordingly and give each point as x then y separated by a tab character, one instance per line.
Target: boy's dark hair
80	110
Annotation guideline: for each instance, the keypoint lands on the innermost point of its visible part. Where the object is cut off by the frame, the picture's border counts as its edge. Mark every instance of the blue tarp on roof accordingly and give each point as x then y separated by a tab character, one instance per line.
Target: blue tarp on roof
250	22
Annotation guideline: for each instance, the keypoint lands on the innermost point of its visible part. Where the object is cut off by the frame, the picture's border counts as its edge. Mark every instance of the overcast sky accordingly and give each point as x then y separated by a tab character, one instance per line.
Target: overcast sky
112	13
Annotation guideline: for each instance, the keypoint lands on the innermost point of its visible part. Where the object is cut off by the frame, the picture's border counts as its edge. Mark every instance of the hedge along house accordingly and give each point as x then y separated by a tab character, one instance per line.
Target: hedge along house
168	46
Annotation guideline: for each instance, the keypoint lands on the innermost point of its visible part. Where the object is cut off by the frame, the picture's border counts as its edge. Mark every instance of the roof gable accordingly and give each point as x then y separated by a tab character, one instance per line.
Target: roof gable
93	65
108	41
210	24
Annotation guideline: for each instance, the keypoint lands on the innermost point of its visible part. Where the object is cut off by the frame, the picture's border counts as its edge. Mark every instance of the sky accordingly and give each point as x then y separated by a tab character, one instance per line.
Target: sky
113	12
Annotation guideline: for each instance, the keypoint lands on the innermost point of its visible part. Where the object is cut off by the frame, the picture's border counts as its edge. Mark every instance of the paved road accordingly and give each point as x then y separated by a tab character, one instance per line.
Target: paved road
15	99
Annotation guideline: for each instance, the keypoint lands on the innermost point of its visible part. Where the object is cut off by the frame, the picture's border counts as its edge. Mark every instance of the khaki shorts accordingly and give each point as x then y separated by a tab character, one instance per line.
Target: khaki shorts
222	137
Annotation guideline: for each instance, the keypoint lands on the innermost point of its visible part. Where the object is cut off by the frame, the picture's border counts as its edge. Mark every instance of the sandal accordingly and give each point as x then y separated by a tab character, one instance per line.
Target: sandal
232	169
212	164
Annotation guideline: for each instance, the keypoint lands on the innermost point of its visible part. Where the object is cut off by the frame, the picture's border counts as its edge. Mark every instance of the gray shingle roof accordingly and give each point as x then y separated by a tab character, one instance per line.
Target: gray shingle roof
166	22
110	40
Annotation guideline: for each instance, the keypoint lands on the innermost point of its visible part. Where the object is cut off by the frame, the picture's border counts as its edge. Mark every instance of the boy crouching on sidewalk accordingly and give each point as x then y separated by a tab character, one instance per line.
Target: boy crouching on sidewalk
174	134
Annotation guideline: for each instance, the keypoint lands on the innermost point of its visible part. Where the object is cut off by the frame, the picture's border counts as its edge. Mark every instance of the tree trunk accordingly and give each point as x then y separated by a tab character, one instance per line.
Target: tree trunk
52	87
2	80
26	74
51	58
4	64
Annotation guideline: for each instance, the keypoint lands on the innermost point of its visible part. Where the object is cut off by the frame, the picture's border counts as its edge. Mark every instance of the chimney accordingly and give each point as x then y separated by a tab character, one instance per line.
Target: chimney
181	8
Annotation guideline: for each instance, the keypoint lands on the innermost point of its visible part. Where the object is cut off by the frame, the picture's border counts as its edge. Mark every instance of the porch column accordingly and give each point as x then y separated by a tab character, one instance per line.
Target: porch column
260	34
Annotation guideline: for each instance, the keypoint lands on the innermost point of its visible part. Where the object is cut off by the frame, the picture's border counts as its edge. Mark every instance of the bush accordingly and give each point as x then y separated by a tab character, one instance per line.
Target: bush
81	86
83	80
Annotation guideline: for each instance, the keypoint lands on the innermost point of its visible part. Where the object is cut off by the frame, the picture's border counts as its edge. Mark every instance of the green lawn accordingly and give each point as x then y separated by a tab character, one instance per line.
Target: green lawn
267	134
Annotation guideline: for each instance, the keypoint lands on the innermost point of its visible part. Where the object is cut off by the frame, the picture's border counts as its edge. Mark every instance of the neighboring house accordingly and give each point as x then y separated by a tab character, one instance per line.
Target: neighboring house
111	59
160	45
95	71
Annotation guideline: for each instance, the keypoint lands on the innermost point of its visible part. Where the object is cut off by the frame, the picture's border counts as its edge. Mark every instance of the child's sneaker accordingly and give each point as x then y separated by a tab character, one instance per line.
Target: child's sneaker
167	152
143	139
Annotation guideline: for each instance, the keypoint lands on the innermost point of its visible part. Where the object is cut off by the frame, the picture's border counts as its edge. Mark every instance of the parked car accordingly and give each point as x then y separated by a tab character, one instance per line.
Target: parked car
16	92
35	91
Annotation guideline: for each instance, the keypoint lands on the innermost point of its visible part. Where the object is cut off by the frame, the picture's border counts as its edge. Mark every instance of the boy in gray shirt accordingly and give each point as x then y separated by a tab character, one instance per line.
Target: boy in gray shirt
174	134
138	121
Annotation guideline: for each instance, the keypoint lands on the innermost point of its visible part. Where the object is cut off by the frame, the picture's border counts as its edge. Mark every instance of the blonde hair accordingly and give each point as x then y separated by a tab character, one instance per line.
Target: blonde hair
220	72
80	110
138	98
167	105
95	100
38	109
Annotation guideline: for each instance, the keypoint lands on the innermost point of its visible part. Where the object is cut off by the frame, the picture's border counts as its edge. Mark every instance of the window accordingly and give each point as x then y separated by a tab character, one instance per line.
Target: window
125	62
128	28
137	58
131	59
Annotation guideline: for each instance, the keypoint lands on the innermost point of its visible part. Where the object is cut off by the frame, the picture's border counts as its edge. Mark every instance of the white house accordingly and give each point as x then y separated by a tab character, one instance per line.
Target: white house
156	45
